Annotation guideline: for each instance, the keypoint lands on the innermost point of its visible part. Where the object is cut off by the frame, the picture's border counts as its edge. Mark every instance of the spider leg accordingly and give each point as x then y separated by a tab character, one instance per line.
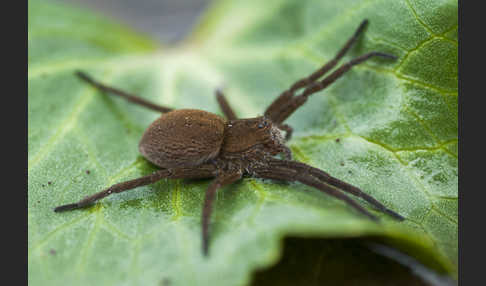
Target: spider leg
295	102
328	179
296	171
219	182
274	108
224	105
127	96
203	171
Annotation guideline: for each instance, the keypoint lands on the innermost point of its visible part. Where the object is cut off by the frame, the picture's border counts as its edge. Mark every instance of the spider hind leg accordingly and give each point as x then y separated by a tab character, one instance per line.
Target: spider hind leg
129	97
202	171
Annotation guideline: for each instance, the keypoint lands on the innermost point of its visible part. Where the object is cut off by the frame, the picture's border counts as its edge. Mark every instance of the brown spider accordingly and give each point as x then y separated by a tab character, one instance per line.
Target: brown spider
189	143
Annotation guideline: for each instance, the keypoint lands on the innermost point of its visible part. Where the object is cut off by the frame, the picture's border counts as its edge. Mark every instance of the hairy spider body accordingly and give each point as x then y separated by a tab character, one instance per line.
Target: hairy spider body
190	143
190	137
183	138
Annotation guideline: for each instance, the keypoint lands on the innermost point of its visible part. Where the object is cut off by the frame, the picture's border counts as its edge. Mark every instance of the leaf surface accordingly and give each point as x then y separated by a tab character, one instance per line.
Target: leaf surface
396	123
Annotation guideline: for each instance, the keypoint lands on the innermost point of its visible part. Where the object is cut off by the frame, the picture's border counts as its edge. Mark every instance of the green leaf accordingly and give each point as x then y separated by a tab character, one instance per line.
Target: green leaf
396	121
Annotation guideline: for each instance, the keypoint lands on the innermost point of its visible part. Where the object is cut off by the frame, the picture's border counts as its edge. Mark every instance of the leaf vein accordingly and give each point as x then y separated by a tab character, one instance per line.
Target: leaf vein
418	18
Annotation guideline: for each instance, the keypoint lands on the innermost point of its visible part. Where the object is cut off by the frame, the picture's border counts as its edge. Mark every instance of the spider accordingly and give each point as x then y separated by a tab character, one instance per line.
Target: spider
190	143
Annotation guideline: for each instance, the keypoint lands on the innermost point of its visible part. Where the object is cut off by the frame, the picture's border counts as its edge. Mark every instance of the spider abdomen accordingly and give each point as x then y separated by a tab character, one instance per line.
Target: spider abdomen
183	138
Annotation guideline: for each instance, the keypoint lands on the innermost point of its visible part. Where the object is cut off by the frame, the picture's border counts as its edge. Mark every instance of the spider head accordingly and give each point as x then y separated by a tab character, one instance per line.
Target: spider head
269	135
246	135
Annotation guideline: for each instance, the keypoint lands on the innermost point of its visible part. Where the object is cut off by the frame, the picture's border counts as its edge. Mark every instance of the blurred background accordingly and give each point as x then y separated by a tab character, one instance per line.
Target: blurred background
166	21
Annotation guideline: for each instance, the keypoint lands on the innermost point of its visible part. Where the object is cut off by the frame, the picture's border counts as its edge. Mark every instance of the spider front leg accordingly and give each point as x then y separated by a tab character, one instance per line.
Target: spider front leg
287	103
274	108
328	179
308	175
203	171
297	101
219	182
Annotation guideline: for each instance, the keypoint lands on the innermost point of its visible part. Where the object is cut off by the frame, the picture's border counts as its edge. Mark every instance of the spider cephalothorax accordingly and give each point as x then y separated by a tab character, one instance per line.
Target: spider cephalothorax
252	136
190	143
